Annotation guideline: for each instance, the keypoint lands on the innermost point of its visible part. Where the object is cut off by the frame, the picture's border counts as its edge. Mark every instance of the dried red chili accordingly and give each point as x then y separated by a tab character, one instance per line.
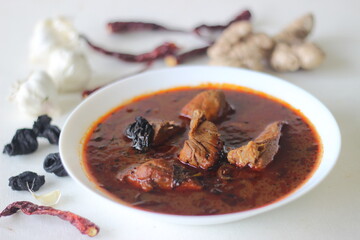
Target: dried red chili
122	27
84	225
165	49
86	93
173	60
243	16
161	51
170	60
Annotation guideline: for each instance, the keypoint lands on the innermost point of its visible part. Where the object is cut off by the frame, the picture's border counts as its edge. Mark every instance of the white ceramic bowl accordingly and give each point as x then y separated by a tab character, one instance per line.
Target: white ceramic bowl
115	94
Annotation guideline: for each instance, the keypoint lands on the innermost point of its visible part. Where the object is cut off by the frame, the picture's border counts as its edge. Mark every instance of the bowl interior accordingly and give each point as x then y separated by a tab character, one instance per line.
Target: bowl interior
104	100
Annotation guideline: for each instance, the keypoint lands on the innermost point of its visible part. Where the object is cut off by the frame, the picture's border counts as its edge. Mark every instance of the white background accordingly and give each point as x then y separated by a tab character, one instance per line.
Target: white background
330	211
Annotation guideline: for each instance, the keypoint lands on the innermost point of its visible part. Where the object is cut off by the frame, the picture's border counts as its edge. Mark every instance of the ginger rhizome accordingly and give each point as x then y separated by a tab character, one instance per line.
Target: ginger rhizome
240	46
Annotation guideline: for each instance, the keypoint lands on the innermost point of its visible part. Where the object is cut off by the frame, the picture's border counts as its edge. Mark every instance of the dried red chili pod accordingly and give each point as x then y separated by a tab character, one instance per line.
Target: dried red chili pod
173	60
86	93
122	27
243	16
84	225
161	51
166	49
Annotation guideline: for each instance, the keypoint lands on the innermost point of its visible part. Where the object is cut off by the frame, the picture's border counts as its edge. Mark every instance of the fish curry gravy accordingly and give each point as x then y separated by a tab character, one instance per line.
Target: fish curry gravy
201	151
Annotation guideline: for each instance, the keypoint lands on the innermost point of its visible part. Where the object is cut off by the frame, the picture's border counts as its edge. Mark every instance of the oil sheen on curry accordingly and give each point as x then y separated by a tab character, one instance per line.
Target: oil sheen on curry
201	151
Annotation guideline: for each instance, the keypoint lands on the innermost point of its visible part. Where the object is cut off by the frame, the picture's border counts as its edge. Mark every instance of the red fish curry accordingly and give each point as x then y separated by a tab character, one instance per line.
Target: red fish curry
201	151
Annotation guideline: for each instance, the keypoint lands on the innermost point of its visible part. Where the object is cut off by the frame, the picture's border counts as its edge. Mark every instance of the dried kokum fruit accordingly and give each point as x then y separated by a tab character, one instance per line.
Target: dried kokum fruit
41	124
43	128
26	180
141	132
52	134
24	142
53	164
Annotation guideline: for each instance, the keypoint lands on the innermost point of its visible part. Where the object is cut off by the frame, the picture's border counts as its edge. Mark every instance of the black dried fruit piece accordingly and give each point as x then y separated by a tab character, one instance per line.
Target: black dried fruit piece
53	164
43	128
26	180
24	142
52	134
41	124
141	132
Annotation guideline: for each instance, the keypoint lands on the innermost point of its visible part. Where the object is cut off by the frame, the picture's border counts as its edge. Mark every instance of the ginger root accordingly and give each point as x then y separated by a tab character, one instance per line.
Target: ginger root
284	59
309	54
296	31
239	46
292	52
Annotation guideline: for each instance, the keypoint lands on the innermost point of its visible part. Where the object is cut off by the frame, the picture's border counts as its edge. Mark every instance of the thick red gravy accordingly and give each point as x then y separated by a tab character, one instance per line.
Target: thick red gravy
107	151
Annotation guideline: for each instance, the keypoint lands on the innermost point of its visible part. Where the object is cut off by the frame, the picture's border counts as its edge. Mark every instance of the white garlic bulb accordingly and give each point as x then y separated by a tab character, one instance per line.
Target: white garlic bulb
69	69
36	95
50	34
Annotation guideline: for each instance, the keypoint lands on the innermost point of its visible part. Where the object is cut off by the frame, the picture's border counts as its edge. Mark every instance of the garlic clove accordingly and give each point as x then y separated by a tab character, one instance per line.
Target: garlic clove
50	34
66	32
43	40
47	199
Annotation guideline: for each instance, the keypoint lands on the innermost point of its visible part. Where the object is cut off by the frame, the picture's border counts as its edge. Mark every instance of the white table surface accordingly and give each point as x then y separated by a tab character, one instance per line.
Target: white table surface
330	211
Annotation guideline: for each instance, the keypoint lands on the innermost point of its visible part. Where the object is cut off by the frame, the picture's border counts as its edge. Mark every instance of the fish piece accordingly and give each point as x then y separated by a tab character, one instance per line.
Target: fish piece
259	153
165	130
203	147
211	102
157	173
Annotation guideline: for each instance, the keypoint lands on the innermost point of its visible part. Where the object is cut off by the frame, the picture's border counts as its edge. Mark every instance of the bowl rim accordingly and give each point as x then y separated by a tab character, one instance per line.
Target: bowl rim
203	219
